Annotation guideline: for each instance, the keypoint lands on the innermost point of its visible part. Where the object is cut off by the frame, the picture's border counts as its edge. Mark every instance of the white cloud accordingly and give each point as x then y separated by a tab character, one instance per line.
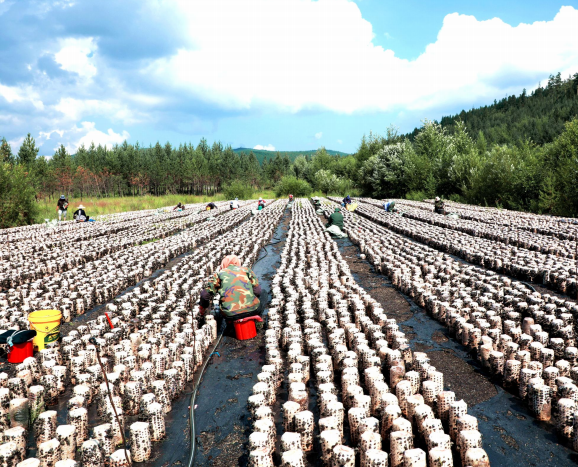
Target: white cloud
281	51
86	134
269	147
318	135
92	135
74	109
339	141
75	55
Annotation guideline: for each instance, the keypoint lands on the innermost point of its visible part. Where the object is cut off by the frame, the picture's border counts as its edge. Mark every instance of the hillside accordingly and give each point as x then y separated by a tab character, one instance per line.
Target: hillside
539	116
261	154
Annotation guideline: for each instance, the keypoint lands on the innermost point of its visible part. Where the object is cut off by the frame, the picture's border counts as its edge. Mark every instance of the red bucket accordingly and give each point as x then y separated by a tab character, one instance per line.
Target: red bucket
19	352
245	328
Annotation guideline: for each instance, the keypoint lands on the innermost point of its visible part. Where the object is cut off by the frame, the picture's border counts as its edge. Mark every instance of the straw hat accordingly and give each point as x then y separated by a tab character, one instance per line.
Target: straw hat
80	206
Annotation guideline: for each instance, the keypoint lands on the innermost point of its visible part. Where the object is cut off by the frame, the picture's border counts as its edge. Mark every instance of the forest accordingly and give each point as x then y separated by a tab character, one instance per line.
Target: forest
520	152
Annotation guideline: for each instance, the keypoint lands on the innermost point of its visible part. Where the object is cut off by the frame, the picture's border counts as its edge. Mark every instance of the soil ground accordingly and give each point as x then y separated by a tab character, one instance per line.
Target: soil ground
511	435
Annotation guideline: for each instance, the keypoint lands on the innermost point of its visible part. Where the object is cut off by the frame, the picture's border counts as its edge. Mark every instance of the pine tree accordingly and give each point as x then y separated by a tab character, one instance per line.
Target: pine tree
6	152
28	151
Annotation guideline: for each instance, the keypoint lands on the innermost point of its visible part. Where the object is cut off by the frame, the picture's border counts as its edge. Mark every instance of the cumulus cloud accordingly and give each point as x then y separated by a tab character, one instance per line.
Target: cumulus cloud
269	147
89	134
281	51
165	66
76	54
319	135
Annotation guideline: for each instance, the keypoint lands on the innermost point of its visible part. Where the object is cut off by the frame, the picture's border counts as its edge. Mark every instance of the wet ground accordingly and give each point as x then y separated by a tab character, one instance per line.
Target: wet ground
512	436
222	420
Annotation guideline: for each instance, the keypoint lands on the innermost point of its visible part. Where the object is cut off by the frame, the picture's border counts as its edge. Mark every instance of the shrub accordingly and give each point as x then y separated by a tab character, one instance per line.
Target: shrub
238	189
290	185
17	204
416	195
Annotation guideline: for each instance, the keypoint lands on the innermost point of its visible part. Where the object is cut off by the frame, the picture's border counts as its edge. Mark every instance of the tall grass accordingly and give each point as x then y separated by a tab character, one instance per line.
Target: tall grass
97	206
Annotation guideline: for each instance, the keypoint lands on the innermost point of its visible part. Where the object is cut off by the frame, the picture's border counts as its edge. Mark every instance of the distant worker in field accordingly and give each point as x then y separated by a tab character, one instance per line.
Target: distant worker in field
211	206
62	207
290	198
389	206
346	200
261	204
234	204
238	288
179	207
316	202
439	206
80	214
335	219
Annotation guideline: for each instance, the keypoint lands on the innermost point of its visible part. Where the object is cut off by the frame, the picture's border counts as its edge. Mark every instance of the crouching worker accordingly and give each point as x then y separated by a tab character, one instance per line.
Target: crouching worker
80	214
335	224
389	206
239	290
211	206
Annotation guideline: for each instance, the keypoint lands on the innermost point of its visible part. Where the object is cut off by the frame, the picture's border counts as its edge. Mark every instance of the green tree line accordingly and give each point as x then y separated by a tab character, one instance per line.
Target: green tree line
519	153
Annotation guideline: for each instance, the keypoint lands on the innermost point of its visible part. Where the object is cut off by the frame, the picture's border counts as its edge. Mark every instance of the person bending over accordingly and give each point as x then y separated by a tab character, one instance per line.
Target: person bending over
238	288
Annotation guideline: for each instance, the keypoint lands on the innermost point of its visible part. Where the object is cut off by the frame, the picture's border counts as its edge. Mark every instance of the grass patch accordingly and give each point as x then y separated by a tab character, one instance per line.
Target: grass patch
98	206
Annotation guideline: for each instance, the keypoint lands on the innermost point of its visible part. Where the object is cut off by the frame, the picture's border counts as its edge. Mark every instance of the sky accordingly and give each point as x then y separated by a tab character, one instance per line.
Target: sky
269	74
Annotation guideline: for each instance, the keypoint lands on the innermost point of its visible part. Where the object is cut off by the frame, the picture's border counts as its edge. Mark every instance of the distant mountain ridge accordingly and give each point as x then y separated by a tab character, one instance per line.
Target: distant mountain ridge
262	154
539	116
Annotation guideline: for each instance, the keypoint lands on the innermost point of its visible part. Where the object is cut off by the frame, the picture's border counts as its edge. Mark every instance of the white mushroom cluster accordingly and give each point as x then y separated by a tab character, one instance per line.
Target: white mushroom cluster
81	288
524	338
509	234
157	343
366	380
559	273
29	256
560	227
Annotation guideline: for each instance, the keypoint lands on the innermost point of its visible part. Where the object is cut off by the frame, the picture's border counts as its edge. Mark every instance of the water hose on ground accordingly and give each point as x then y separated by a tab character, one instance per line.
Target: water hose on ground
191	462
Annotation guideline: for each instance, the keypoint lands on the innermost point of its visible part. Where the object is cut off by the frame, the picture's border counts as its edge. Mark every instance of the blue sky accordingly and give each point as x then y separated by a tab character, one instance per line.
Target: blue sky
283	74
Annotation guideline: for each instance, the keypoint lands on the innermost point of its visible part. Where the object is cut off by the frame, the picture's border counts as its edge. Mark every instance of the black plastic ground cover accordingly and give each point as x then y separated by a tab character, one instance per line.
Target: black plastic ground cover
222	421
511	434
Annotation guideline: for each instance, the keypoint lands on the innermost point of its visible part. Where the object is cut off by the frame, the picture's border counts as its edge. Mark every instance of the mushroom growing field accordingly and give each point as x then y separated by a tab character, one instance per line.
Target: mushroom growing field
342	372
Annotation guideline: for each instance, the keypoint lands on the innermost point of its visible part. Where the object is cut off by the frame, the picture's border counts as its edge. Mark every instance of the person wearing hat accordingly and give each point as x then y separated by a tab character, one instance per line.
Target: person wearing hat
235	204
80	214
62	207
438	206
335	219
238	288
261	204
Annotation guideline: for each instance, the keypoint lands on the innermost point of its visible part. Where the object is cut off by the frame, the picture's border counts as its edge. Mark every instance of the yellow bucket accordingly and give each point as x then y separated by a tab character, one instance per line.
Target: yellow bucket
46	323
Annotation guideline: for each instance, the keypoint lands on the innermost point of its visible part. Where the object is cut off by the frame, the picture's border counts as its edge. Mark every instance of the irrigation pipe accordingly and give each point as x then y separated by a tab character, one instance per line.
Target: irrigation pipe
94	342
193	398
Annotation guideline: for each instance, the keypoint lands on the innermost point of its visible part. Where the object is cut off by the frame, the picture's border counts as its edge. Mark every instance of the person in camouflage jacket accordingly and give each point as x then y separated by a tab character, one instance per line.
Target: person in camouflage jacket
238	287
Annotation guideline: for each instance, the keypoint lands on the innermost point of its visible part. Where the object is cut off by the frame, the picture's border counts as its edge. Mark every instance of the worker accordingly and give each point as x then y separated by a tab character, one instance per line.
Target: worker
179	207
290	198
80	214
316	202
234	204
335	219
439	206
62	207
261	204
238	288
211	205
389	206
346	200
